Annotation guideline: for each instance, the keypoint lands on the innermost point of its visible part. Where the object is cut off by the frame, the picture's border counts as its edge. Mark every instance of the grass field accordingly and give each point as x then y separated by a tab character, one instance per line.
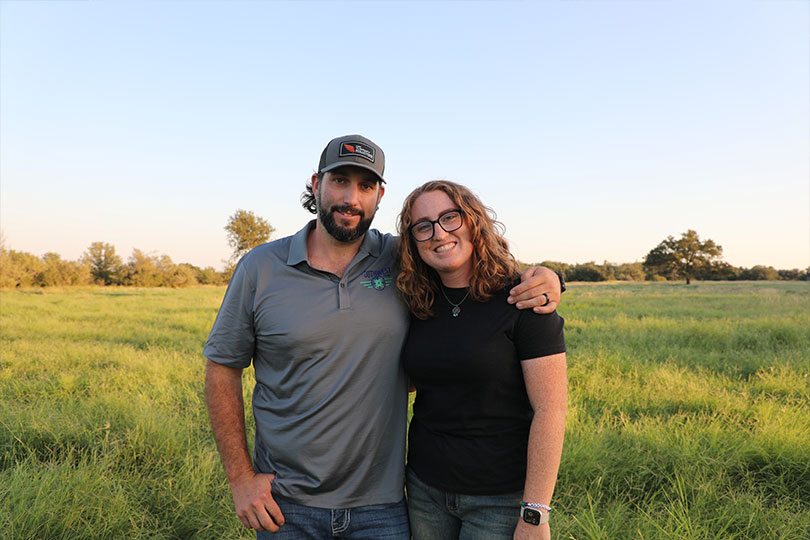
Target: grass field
689	414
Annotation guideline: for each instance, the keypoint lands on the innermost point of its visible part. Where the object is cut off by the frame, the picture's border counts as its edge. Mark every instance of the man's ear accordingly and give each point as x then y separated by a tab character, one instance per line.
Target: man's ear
381	193
314	183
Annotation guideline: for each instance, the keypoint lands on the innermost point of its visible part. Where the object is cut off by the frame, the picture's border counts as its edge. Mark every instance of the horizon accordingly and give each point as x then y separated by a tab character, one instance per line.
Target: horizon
126	257
594	130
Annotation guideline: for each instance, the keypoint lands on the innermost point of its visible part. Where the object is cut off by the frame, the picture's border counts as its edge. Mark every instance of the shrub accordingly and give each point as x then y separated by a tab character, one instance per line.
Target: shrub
18	269
759	273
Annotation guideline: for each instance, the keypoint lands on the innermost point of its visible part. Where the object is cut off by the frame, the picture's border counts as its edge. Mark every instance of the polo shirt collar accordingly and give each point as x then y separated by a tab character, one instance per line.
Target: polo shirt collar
372	244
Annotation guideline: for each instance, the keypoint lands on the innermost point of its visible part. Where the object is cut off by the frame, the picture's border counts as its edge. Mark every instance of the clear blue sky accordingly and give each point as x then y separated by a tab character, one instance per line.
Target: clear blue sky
595	129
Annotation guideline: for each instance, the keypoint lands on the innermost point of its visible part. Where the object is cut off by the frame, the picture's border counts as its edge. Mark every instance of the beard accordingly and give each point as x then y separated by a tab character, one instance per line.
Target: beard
343	234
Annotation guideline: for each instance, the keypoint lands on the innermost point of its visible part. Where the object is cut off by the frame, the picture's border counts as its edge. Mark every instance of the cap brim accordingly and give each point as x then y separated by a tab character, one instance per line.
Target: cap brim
352	164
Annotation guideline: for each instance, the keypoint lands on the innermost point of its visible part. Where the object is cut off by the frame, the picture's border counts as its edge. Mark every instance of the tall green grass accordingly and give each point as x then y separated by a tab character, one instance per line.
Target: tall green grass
103	430
689	414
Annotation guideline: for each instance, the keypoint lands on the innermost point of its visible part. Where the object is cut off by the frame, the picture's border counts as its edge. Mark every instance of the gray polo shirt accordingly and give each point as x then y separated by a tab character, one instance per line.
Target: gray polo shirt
330	400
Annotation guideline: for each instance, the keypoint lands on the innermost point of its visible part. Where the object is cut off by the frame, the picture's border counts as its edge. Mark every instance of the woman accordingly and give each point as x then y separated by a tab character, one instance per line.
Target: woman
487	431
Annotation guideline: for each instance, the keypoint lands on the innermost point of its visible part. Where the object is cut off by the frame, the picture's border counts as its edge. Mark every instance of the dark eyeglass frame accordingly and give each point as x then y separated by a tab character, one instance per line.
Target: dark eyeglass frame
437	221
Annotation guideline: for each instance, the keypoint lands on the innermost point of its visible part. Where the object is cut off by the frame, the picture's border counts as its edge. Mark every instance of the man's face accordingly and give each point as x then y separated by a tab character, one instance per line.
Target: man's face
347	199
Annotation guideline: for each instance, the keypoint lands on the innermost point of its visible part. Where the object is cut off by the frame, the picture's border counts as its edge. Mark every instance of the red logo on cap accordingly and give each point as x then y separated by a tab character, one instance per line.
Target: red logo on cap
349	147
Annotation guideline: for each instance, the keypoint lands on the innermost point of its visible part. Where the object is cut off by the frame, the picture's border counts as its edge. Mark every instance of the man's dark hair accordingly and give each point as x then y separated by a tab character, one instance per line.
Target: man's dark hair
308	197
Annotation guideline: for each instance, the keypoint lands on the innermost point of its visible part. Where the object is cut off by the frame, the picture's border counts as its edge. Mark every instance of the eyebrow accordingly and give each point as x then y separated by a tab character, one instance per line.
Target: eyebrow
443	212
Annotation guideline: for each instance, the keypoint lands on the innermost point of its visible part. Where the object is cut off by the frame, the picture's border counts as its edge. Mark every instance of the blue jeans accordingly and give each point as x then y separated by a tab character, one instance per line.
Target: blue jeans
373	522
439	515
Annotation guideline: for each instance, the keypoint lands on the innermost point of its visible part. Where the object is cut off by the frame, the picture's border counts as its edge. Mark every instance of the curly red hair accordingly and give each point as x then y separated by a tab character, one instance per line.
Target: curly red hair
494	266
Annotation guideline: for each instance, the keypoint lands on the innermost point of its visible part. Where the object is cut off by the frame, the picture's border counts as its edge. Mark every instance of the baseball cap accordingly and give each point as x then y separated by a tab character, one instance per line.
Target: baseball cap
353	150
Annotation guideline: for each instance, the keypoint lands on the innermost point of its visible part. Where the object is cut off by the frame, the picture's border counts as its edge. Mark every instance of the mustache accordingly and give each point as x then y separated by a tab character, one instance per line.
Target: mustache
346	209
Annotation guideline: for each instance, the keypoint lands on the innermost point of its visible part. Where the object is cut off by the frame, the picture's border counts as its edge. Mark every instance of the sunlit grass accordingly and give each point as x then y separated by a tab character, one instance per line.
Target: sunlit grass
689	414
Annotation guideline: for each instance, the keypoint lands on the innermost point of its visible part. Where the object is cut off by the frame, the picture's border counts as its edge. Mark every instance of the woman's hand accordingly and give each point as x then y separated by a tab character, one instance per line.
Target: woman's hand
524	531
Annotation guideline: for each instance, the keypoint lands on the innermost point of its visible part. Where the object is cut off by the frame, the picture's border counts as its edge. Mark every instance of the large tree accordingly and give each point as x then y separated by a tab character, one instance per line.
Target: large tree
684	257
105	265
245	231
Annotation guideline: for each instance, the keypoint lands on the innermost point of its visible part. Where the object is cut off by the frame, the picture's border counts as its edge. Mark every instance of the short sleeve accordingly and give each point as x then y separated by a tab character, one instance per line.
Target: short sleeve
232	339
538	334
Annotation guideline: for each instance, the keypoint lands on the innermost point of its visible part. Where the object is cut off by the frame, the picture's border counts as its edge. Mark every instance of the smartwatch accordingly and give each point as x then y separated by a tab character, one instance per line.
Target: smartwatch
532	516
562	281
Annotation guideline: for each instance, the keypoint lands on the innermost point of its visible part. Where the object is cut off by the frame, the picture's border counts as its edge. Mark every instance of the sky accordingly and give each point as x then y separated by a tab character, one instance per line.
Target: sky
594	128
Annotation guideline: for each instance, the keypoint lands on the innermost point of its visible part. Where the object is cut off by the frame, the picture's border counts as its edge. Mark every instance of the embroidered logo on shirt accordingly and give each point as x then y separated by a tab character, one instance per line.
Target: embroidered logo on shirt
377	283
378	279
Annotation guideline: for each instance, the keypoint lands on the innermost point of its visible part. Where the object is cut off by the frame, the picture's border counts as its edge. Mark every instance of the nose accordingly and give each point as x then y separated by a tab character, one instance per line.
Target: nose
438	232
351	195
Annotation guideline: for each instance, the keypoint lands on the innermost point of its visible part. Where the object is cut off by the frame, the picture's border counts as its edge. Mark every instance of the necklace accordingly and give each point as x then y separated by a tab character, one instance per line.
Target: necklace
456	308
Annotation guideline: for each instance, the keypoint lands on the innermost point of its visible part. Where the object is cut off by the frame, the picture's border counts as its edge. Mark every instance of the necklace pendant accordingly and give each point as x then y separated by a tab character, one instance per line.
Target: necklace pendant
456	309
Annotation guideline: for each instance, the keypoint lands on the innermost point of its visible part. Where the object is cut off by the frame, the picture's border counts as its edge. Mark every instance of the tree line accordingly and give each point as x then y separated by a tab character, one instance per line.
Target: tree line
101	265
607	271
684	258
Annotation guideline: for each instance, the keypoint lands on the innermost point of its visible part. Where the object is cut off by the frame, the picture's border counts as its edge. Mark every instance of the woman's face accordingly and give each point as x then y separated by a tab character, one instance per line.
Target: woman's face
449	253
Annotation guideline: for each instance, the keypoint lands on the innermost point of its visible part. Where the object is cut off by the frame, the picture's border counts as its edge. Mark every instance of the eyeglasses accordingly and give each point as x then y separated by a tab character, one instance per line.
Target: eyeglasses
422	231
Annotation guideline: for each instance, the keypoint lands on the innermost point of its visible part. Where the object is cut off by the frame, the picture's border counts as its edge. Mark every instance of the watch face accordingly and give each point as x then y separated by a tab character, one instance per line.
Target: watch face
532	516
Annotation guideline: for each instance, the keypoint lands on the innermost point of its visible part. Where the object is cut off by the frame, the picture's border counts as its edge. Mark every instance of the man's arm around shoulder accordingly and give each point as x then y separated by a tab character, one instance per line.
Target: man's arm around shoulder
252	497
539	288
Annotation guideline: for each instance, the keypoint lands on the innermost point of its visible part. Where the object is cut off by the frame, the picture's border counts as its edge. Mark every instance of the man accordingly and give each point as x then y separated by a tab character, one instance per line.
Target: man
319	316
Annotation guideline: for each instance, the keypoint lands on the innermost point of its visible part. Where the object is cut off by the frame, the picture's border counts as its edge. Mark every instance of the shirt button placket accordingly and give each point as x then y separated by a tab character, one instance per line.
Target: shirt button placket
343	295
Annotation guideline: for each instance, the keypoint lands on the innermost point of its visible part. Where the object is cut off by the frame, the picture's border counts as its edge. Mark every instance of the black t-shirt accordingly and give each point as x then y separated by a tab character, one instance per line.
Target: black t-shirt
470	428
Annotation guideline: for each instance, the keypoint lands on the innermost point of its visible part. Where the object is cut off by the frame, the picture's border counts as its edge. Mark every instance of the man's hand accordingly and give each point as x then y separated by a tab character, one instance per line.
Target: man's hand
251	492
524	531
535	283
254	503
